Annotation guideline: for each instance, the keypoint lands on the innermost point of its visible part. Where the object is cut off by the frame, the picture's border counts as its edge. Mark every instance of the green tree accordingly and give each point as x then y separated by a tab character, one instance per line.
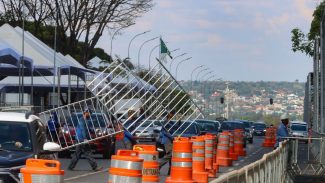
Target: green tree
304	42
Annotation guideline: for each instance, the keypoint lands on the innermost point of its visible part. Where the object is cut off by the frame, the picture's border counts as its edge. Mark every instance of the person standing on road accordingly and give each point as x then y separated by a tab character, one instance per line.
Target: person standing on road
282	131
84	148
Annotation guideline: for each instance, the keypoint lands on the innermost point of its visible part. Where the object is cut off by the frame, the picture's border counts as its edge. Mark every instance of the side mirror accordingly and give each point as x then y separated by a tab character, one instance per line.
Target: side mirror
51	147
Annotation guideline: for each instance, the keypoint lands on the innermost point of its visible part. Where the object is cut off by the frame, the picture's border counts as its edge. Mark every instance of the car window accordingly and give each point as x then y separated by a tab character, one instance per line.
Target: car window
259	126
12	132
299	127
190	130
204	126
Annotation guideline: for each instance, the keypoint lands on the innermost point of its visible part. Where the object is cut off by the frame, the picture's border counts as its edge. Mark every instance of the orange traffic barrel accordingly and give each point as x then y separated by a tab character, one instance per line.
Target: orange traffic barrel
126	167
181	167
223	158
268	139
232	154
209	143
43	170
150	169
239	142
199	173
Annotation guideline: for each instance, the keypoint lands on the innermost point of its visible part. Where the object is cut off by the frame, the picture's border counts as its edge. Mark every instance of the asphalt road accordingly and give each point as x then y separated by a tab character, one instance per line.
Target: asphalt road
84	174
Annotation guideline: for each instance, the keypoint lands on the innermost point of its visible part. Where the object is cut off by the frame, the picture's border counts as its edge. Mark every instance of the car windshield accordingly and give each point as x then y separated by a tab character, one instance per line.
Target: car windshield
299	127
259	126
231	125
190	130
15	136
207	126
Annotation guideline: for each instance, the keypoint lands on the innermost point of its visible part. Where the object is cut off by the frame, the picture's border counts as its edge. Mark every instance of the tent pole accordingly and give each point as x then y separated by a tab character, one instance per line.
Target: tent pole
59	85
69	86
32	87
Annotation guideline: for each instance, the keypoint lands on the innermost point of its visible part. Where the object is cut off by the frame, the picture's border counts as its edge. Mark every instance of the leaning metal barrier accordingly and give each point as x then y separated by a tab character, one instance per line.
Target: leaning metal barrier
271	168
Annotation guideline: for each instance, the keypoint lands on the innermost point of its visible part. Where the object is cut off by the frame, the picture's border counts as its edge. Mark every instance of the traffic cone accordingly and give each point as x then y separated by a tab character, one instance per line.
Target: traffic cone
199	173
209	142
223	150
232	154
150	169
268	139
239	142
181	168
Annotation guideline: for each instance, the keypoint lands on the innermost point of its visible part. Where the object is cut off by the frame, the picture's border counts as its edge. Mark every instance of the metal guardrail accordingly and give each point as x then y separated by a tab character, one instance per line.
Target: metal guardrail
270	169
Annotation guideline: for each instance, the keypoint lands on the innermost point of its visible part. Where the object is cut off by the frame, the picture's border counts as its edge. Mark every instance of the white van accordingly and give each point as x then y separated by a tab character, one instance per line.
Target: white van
298	129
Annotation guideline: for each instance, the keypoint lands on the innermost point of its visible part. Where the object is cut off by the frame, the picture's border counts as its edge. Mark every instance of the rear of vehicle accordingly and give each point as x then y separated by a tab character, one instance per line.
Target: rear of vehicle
208	126
146	132
299	129
259	129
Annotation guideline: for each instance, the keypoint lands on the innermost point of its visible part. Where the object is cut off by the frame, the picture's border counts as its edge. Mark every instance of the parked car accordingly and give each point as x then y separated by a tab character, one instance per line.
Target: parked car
249	131
232	125
97	128
22	136
259	128
298	129
208	126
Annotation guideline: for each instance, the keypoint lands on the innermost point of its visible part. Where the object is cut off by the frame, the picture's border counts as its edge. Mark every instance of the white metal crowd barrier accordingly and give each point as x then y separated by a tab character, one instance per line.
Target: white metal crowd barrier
270	169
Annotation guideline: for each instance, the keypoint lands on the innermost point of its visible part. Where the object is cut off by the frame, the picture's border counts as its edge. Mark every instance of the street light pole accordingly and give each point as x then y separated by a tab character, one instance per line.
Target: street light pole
171	62
133	39
141	48
118	30
179	64
196	68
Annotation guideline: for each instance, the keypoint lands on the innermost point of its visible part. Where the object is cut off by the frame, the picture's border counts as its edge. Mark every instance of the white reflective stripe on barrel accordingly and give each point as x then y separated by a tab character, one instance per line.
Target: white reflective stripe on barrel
208	141
182	164
208	148
199	151
182	155
148	157
224	136
208	155
124	179
231	144
224	142
223	147
126	164
198	158
198	143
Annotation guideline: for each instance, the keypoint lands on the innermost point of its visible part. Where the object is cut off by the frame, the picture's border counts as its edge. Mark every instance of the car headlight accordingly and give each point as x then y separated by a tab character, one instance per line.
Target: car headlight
264	130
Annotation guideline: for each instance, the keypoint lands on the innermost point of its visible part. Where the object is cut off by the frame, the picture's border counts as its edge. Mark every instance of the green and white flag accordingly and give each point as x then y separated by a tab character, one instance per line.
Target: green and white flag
164	51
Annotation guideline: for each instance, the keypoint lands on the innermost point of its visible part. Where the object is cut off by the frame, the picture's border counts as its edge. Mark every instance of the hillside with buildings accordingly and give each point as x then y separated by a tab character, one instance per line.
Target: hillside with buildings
249	100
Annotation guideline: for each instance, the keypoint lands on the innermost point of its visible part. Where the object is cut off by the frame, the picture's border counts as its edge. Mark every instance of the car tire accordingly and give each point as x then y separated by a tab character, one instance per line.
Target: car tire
250	141
110	152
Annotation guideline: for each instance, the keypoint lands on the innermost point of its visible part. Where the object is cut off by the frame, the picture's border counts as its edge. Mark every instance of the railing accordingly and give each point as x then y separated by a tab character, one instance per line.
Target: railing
270	169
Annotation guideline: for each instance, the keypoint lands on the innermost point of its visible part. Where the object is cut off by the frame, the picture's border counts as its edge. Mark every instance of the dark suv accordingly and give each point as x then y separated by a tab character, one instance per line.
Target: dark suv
22	136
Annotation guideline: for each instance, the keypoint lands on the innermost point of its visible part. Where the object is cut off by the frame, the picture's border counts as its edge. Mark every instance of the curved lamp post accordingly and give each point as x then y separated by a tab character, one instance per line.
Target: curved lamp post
205	69
133	39
141	48
118	30
196	68
171	62
179	64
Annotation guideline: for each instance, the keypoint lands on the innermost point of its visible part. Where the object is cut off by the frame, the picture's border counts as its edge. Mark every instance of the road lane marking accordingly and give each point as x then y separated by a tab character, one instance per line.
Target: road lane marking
85	175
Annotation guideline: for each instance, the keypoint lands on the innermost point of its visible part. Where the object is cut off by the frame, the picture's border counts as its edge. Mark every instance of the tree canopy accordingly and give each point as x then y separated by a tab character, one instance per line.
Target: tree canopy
79	23
304	42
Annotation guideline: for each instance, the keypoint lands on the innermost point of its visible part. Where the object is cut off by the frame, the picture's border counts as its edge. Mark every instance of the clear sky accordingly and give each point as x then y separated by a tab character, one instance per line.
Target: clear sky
240	40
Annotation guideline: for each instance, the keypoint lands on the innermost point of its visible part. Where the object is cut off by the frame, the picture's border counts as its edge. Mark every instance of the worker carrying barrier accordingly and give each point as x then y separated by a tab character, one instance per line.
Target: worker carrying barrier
232	154
209	148
269	138
239	142
126	167
199	173
223	158
150	169
181	168
42	171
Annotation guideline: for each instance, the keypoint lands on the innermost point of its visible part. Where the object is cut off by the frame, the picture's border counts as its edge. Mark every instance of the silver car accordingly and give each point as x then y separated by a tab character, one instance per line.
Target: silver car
298	129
